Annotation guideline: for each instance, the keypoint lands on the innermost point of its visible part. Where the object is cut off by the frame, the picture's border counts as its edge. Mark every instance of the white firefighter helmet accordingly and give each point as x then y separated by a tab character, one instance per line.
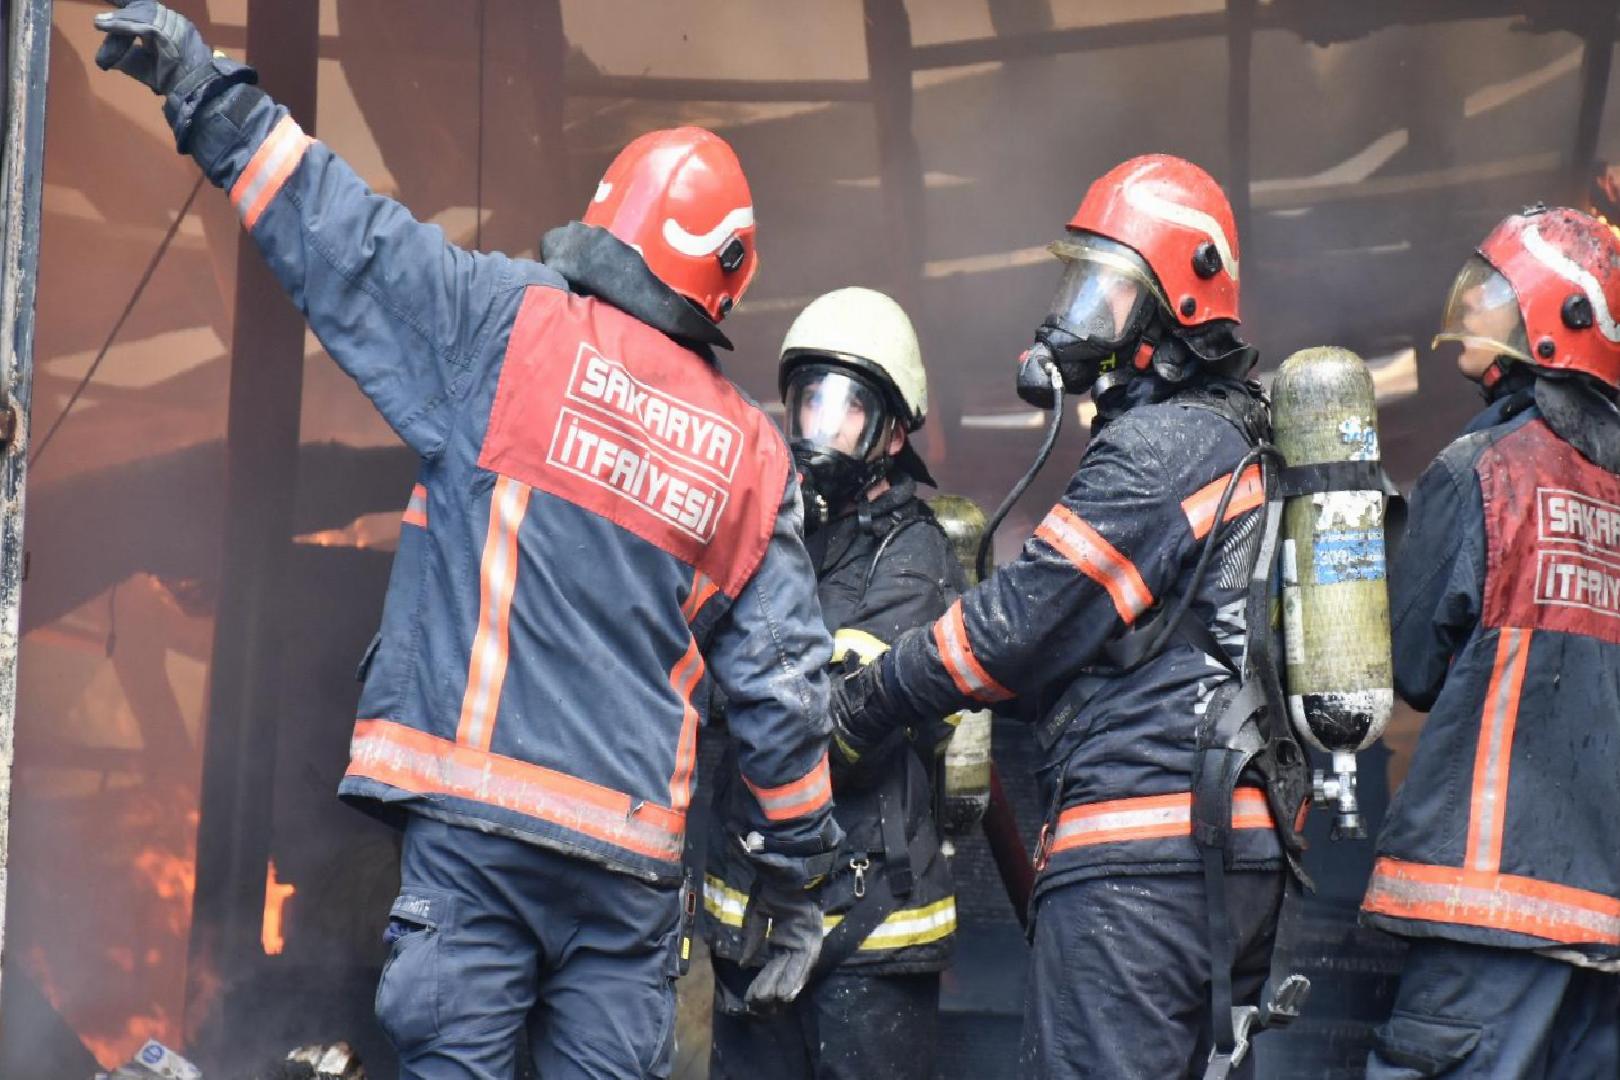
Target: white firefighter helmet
868	331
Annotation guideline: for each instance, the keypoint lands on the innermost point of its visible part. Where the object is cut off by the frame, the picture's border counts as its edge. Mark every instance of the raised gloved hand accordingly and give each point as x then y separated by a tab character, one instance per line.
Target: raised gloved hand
158	47
151	44
783	924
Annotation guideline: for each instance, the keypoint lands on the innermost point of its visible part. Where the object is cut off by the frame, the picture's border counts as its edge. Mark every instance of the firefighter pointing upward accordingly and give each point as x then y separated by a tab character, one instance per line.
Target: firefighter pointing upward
539	747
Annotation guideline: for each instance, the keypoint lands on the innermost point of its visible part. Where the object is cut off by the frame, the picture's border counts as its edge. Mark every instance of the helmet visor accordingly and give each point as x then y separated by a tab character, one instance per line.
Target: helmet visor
829	407
1482	314
1106	291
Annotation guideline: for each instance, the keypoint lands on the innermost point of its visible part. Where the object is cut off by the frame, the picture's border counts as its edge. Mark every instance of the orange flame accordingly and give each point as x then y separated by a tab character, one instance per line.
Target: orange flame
276	896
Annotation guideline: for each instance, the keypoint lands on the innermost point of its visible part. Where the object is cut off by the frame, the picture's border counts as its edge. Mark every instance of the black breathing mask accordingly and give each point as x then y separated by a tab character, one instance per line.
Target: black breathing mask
838	428
1105	302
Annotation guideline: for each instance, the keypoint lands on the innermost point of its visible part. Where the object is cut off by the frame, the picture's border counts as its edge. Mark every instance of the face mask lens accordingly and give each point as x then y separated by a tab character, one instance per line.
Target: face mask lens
829	408
1097	303
1482	315
1105	295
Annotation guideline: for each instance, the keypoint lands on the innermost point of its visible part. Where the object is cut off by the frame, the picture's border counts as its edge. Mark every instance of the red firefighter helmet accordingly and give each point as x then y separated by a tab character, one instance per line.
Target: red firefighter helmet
1176	217
679	197
1543	289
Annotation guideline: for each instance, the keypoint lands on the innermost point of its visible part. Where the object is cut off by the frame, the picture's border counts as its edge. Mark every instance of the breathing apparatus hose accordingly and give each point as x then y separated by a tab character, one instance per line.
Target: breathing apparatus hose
986	545
1168	625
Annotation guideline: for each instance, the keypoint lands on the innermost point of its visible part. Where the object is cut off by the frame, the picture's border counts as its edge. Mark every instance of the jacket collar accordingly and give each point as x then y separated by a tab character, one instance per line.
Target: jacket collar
596	263
1582	417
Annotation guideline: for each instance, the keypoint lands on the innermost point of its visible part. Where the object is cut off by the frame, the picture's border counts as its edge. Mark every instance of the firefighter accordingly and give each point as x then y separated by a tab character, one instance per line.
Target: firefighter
854	387
1497	860
1077	637
582	458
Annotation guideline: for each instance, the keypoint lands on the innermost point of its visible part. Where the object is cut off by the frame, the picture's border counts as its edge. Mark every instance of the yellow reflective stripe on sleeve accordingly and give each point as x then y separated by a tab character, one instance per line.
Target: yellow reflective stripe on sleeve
866	646
723	903
908	926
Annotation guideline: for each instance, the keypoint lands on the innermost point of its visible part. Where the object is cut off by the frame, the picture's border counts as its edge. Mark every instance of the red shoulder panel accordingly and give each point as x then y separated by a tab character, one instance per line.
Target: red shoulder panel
601	410
1552	531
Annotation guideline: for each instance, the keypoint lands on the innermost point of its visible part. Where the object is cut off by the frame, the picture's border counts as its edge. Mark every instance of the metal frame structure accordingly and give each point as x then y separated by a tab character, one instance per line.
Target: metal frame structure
233	838
28	39
239	749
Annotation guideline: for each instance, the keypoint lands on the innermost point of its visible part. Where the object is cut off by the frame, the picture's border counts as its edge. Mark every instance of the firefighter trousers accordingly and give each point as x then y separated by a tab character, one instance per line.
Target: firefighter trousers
494	938
1472	1012
846	1026
1119	974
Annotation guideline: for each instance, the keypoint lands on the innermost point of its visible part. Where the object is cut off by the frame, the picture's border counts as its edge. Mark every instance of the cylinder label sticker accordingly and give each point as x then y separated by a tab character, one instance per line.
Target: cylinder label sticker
1349	555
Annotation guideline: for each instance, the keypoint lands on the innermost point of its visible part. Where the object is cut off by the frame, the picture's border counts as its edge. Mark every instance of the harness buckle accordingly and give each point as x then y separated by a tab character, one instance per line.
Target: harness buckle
860	865
1286	1001
1223	1065
1043	847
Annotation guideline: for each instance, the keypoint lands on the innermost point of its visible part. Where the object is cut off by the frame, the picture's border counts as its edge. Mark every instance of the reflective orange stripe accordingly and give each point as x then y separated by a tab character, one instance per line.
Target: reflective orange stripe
497	579
1096	558
267	170
1494	757
1150	817
416	509
1520	905
424	764
805	795
684	677
1200	506
702	589
950	637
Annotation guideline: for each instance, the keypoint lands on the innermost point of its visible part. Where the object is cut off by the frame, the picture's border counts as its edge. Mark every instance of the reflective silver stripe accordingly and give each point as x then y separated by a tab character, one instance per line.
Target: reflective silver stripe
723	903
1168	816
1498	907
906	927
1500	709
796	798
490	645
814	793
959	657
285	142
1099	560
438	773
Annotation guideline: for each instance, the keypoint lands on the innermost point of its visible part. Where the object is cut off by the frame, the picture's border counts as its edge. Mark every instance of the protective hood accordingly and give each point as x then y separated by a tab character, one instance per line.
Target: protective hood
597	263
1582	416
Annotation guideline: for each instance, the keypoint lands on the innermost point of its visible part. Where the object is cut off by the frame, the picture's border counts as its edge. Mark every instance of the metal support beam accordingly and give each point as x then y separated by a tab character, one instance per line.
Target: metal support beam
28	41
524	160
1596	59
888	51
1239	81
267	368
888	43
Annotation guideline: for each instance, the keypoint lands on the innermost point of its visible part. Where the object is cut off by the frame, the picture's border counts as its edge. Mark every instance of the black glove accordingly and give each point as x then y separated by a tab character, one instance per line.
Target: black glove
159	48
782	923
867	720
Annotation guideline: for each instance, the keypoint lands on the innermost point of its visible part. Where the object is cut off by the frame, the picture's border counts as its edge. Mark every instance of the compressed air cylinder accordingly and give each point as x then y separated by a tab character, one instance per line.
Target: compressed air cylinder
1334	586
967	753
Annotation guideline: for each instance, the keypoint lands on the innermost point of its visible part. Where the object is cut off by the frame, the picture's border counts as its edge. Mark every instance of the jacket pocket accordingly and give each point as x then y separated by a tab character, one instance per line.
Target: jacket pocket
407	1002
1410	1045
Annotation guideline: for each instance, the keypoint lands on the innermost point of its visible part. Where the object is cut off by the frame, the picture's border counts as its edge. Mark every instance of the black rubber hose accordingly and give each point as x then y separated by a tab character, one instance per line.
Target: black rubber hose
982	561
1168	625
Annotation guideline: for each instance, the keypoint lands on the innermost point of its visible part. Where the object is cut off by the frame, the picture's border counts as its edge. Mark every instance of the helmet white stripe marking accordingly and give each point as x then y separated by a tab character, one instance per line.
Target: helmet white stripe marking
1573	272
1140	197
708	243
603	190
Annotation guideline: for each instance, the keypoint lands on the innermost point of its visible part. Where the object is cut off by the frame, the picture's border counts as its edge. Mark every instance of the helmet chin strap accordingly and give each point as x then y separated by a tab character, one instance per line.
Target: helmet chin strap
1500	378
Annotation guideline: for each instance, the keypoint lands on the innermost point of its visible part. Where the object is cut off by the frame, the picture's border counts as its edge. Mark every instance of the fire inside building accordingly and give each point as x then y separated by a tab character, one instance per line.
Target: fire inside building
213	505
